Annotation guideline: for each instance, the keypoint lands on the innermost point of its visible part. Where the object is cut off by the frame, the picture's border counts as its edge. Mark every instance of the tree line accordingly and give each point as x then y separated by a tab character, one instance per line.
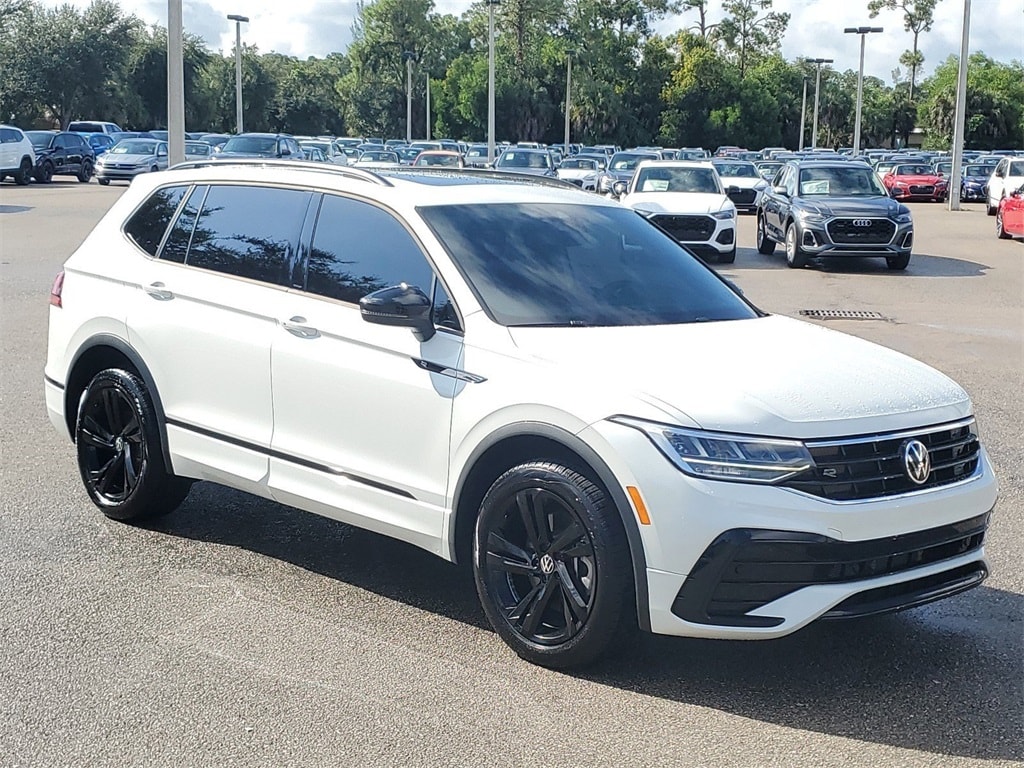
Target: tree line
706	84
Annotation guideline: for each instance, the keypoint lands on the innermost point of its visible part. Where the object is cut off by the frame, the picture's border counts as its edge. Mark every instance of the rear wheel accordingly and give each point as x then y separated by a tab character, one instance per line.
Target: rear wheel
765	245
795	256
85	173
1001	232
552	566
119	452
24	175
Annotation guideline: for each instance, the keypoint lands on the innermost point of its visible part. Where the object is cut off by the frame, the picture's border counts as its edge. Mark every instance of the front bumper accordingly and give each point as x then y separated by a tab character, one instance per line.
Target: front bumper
789	558
816	240
119	174
978	194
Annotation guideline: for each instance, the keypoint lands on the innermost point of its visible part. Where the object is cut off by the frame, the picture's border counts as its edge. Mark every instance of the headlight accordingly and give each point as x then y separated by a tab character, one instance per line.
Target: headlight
810	217
606	183
728	213
719	456
761	186
903	218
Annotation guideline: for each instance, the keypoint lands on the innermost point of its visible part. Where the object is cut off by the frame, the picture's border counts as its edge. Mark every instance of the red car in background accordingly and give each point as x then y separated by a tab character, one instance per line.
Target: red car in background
915	181
1010	216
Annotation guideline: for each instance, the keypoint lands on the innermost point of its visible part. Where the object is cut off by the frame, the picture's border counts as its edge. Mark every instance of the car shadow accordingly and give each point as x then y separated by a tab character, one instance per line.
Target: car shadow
921	265
946	679
15	208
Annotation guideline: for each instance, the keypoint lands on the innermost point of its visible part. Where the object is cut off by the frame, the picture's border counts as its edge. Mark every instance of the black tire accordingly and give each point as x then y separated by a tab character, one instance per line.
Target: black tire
899	262
85	173
3	177
119	454
44	174
24	175
1001	232
103	182
765	245
727	258
795	255
552	566
990	209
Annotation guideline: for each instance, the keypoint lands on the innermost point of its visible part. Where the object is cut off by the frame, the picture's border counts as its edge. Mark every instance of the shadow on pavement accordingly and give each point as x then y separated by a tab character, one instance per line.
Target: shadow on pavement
921	265
946	678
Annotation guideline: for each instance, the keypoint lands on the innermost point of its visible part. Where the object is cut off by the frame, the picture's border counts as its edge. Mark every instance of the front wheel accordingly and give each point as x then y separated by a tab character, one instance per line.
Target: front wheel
989	208
727	258
765	245
898	262
1001	232
119	453
795	256
45	173
552	566
103	182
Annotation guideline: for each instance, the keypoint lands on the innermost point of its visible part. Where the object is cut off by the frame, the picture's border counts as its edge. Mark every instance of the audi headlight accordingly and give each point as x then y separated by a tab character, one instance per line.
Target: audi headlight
810	217
903	218
717	456
728	213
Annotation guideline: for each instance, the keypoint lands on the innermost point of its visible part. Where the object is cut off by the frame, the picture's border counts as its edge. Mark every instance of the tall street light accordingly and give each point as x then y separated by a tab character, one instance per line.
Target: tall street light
175	85
953	194
817	91
803	113
490	79
408	57
863	32
238	67
568	94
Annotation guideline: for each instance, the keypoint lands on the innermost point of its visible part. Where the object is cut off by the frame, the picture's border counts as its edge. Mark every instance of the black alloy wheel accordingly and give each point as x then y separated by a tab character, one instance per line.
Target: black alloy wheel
24	175
103	182
728	257
119	454
765	245
552	566
897	263
85	172
45	173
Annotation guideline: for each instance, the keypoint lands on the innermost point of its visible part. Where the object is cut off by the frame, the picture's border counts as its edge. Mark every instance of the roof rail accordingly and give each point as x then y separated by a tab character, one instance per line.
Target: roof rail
401	171
304	165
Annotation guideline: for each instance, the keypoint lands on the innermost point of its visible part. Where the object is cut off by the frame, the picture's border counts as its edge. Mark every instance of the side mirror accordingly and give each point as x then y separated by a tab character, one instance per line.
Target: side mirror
285	152
619	188
780	190
405	306
161	152
732	189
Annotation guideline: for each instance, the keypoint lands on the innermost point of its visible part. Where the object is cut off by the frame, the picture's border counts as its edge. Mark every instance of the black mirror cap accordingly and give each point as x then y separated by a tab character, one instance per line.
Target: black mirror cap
403	305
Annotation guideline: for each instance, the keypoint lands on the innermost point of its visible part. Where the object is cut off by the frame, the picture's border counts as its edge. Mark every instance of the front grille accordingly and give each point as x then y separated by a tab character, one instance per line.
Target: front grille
926	189
872	467
743	196
686	228
877	232
744	569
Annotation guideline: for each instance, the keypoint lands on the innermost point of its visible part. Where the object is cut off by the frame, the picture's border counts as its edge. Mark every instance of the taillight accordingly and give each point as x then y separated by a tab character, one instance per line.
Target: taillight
58	287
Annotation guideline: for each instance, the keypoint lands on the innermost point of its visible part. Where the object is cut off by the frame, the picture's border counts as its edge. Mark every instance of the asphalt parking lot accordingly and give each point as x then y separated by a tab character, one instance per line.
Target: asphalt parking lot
239	632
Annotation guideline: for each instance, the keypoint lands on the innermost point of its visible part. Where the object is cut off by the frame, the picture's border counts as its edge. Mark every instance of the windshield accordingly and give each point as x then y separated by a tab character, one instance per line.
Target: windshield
371	156
444	161
560	264
323	146
197	148
40	139
982	171
854	180
251	145
623	161
585	165
913	170
737	170
655	179
133	147
519	159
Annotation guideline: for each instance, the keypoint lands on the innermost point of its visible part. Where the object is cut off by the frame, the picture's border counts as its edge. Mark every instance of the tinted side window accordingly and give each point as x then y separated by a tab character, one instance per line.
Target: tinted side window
180	235
358	249
249	231
444	314
9	136
147	225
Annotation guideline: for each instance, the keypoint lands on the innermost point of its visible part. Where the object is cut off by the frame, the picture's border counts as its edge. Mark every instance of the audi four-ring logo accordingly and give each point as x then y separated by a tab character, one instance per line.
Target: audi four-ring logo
862	222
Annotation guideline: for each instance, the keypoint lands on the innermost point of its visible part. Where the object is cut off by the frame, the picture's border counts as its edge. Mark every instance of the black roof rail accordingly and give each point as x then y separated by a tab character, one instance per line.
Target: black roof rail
405	171
266	162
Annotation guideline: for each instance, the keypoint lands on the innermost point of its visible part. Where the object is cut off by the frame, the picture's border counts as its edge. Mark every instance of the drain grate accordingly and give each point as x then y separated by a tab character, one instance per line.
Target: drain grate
841	314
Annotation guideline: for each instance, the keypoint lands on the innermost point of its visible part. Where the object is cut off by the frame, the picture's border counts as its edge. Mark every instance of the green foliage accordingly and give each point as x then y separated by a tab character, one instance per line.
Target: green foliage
750	31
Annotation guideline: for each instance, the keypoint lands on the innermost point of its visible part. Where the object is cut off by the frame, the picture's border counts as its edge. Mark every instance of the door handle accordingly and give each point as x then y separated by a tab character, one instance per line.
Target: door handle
296	327
156	290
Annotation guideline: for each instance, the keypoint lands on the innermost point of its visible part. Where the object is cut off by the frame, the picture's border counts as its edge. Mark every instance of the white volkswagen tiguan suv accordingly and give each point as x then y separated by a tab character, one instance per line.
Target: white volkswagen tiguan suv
518	375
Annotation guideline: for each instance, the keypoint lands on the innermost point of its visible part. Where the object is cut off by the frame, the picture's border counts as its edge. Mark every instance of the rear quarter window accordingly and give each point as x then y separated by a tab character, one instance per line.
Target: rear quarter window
147	225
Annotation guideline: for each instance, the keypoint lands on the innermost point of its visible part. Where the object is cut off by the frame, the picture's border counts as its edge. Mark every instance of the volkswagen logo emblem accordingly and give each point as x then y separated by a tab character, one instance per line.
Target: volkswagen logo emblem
862	222
916	461
547	565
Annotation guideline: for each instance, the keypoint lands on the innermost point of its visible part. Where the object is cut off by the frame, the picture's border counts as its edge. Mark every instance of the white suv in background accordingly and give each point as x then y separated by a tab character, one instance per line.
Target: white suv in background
17	157
688	201
1006	178
510	373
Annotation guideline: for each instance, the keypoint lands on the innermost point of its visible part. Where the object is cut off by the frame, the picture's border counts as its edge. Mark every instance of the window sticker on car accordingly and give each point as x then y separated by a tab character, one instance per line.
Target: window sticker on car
814	187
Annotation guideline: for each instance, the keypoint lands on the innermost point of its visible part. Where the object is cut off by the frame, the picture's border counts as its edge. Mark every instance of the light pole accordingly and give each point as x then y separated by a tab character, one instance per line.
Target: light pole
803	113
568	94
175	85
408	57
238	67
490	79
863	32
428	107
817	91
953	192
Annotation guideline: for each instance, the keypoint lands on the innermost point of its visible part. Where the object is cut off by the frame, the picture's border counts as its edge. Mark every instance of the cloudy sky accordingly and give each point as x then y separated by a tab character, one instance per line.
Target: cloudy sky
317	27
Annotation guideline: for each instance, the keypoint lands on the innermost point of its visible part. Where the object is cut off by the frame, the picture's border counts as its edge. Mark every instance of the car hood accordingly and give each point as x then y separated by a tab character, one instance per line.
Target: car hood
873	205
743	182
127	158
677	202
770	376
919	178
